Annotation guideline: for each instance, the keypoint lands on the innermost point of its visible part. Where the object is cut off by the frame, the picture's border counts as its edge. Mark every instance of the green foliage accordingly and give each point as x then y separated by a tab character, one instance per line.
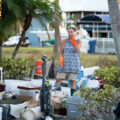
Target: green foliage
99	104
109	75
15	68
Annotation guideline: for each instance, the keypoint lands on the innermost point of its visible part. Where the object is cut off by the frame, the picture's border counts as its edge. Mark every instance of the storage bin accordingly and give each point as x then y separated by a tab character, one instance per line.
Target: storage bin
72	106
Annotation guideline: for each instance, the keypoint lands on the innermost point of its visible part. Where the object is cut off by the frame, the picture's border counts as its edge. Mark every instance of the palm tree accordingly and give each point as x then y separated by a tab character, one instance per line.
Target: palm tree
57	30
115	23
9	17
40	9
24	10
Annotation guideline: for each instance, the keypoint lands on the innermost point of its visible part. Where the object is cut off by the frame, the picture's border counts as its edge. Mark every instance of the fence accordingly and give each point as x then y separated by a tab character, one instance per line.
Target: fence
105	45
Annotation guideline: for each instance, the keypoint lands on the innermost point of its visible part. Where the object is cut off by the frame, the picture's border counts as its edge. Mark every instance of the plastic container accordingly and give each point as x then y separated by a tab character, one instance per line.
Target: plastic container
73	103
80	75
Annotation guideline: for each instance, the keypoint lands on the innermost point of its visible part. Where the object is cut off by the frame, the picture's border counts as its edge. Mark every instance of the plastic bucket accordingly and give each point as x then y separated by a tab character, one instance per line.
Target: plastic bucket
72	106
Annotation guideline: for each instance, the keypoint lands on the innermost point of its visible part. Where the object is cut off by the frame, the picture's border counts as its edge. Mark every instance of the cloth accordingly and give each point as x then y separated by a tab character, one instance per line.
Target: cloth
71	59
66	76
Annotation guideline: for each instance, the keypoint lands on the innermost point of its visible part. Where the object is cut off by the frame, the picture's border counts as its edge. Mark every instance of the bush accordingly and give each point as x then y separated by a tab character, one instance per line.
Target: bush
100	104
18	68
109	75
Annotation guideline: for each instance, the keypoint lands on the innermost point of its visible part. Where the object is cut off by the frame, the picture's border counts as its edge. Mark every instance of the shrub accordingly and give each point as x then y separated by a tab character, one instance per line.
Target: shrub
109	75
99	105
18	68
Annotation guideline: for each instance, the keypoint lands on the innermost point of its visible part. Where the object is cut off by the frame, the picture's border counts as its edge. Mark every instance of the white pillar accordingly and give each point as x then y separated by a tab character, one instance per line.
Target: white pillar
93	31
82	14
97	30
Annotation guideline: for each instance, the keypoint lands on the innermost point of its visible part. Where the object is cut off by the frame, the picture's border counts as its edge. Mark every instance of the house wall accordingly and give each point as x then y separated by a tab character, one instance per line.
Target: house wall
31	32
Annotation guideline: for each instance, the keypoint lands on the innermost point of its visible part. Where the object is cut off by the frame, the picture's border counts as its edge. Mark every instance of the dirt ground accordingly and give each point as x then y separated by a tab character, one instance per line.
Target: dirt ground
17	100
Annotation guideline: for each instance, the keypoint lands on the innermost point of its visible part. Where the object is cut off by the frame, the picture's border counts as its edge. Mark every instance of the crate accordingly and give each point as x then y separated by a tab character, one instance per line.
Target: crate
72	106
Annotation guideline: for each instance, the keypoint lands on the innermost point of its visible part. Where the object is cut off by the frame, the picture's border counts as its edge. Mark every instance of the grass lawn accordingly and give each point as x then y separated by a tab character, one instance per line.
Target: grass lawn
35	53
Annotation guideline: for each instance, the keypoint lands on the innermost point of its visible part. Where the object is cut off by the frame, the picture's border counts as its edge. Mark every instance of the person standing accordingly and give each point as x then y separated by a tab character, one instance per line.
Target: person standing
69	59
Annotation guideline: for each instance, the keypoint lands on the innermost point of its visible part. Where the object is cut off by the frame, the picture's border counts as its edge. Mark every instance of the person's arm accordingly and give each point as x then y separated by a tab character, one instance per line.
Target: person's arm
61	53
76	45
61	47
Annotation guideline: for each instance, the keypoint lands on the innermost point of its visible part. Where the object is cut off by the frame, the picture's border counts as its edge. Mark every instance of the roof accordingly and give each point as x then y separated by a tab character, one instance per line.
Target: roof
96	19
105	18
84	5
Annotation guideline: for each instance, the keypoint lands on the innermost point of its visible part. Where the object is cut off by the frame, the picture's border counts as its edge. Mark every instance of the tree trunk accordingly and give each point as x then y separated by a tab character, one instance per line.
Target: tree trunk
1	41
27	23
57	31
115	23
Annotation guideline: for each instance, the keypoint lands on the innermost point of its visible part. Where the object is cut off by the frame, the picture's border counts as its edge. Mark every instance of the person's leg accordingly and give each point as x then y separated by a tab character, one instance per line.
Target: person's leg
72	84
60	77
72	78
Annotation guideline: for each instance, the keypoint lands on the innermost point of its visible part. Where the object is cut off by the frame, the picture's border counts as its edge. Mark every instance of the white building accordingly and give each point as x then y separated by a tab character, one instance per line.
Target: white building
76	9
